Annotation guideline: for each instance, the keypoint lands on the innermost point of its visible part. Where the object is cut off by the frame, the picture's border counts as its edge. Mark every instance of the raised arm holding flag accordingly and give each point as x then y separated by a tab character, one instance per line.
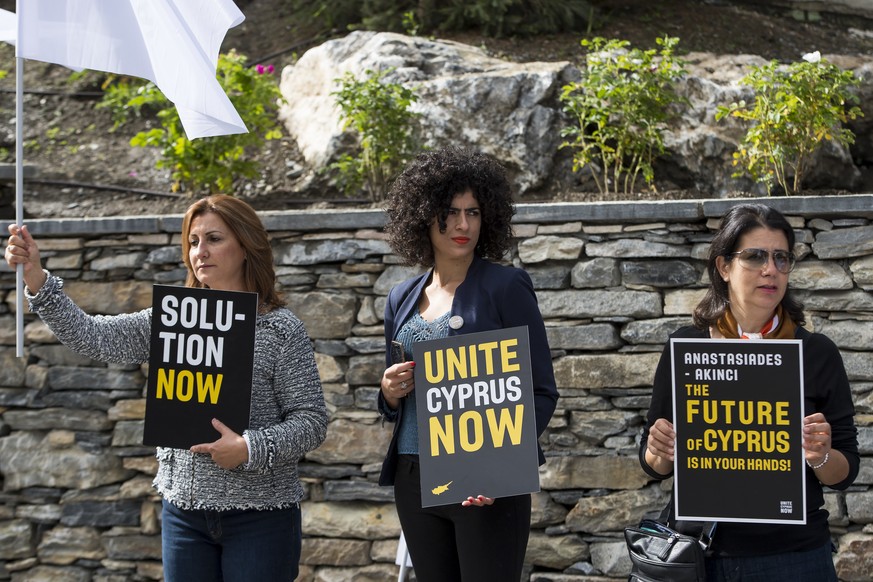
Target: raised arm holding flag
173	43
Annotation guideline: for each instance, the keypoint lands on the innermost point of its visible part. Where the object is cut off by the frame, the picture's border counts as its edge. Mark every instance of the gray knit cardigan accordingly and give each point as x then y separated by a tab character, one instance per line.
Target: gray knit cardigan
288	417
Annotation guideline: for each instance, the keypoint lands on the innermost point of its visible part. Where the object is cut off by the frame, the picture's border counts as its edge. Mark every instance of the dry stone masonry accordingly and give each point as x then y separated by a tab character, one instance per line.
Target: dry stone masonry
613	279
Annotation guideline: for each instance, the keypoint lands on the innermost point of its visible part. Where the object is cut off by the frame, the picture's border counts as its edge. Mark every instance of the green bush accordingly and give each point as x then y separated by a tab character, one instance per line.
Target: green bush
380	114
619	108
796	108
210	163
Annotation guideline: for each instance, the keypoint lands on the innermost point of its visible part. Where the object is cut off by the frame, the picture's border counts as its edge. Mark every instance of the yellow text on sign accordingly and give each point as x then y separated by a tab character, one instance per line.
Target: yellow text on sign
471	430
471	361
181	385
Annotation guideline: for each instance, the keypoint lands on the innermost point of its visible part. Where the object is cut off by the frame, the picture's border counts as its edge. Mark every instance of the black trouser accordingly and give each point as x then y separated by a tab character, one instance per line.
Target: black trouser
451	543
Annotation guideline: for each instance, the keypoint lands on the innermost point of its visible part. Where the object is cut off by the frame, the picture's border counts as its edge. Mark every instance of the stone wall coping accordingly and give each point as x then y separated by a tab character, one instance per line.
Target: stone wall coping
589	212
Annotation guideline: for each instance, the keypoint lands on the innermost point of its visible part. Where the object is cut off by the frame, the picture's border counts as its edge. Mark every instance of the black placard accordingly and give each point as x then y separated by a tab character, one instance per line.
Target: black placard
200	366
476	421
738	415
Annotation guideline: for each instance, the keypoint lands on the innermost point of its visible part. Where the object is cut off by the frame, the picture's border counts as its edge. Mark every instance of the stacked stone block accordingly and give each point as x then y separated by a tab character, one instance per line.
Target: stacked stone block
613	280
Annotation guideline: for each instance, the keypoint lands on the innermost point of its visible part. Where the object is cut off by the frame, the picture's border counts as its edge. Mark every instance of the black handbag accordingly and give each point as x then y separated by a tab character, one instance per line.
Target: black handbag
661	554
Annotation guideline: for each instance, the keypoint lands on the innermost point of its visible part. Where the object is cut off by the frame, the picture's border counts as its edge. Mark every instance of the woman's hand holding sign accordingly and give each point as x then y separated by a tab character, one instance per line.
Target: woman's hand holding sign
397	382
829	464
816	438
229	451
661	446
478	501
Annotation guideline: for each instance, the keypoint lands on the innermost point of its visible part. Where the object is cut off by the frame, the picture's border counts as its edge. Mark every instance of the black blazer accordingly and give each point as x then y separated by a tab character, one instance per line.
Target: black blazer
491	297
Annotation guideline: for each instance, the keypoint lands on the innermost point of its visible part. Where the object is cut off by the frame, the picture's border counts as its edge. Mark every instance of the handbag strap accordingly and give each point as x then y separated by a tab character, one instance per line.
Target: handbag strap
707	532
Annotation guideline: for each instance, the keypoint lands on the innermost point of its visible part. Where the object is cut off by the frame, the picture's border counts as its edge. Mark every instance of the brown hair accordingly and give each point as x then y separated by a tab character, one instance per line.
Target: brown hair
244	223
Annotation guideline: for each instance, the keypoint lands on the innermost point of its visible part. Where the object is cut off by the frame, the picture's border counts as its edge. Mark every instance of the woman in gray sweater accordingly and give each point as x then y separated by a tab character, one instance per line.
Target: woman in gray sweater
230	507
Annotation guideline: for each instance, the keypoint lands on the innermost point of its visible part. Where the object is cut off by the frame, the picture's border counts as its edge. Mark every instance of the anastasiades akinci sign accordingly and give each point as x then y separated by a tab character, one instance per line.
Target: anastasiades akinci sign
200	366
476	422
738	415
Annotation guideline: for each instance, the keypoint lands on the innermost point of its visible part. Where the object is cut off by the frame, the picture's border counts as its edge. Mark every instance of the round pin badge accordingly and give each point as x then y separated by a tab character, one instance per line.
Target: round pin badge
456	322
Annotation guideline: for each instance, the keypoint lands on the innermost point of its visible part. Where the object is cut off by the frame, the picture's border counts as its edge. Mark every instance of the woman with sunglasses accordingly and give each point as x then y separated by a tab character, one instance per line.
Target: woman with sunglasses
750	259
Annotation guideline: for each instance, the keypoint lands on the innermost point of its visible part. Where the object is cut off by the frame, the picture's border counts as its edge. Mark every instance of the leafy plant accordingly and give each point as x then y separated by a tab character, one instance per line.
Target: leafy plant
380	114
620	107
410	23
209	163
796	108
124	97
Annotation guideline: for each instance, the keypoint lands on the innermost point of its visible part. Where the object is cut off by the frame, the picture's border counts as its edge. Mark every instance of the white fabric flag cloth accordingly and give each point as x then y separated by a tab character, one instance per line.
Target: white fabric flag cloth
8	25
173	43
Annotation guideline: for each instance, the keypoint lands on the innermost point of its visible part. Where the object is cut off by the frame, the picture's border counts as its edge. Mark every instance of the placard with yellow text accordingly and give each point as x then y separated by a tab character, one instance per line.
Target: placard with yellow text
200	365
738	414
476	423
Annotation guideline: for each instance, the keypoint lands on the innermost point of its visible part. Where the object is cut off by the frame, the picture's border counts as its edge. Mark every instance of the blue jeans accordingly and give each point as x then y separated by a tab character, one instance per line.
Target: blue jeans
809	566
230	546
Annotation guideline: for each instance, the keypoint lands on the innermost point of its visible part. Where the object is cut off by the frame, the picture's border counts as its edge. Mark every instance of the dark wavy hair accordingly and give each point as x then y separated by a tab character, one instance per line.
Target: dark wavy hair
424	192
736	222
244	223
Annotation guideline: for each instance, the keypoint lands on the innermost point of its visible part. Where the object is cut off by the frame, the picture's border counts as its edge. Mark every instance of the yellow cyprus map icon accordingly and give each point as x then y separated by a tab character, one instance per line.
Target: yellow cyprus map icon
441	488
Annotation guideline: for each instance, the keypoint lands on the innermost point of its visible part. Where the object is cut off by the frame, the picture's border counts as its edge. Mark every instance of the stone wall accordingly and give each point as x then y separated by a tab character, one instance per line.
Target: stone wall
613	280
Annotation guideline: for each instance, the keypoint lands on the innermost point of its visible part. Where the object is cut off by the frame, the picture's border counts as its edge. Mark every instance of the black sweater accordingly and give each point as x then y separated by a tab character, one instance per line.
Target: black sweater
826	390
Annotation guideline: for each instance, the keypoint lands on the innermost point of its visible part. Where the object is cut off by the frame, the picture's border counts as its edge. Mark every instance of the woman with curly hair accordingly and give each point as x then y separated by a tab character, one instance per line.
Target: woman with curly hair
450	212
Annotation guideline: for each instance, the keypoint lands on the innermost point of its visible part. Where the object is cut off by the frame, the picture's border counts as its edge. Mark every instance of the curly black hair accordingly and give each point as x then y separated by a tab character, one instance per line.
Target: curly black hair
424	191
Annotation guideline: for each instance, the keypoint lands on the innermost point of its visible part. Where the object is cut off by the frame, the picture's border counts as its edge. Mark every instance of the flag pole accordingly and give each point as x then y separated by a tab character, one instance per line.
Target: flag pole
19	201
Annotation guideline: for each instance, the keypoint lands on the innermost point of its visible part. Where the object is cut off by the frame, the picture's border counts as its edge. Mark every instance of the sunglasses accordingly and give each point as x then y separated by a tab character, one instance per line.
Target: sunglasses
758	258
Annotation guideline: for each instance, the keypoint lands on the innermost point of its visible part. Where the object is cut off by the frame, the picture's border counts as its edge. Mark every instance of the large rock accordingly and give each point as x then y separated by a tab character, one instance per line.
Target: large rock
368	521
351	442
855	560
31	460
555	552
515	106
603	471
613	512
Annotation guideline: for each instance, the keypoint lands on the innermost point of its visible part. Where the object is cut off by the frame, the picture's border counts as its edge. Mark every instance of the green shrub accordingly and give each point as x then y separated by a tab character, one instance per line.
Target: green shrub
619	108
210	163
380	114
795	109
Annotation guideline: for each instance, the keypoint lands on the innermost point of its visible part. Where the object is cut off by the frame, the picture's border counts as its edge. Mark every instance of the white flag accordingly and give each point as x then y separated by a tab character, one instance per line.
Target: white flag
173	43
7	26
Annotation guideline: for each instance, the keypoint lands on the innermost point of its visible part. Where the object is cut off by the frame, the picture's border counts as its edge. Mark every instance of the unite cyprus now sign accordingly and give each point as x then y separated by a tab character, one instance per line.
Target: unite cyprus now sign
200	365
476	422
